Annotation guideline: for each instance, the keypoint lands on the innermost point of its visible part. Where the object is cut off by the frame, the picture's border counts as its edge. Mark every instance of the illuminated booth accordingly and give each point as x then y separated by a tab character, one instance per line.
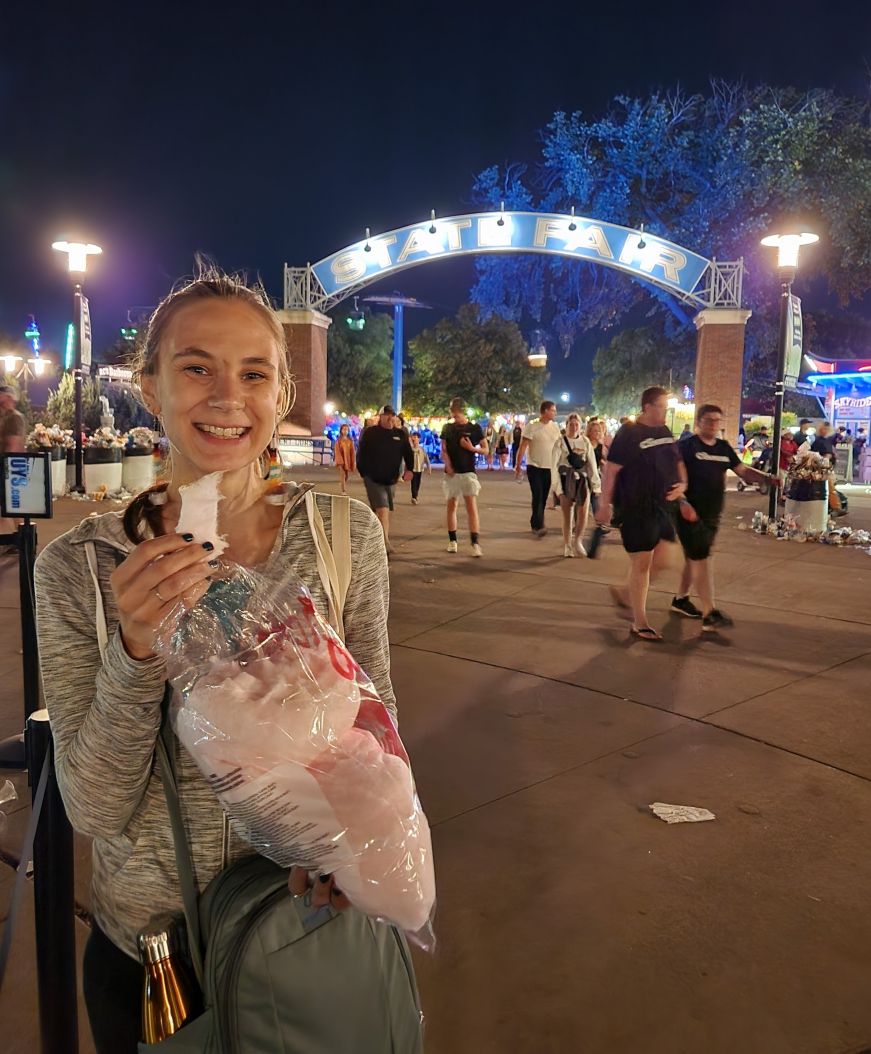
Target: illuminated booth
844	388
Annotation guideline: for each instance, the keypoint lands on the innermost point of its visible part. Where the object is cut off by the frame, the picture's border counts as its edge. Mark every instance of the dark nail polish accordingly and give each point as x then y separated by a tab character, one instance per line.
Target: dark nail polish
323	878
208	546
187	537
214	563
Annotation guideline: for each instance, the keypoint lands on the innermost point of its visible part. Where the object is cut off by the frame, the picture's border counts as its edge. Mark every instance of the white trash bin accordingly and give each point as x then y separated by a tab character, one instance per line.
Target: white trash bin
102	467
137	470
807	502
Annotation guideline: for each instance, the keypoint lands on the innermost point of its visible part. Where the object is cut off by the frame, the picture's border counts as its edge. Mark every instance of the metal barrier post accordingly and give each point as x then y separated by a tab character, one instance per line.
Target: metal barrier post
54	902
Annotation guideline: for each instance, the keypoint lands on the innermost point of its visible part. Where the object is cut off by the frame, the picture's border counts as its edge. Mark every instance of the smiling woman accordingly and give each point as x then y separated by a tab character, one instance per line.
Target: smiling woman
215	370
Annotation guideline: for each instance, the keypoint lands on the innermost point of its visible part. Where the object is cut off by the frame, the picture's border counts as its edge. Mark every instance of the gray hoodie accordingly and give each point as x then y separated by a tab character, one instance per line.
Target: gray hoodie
105	714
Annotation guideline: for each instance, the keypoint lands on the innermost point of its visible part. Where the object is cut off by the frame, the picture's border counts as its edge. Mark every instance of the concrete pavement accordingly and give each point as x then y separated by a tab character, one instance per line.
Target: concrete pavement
569	918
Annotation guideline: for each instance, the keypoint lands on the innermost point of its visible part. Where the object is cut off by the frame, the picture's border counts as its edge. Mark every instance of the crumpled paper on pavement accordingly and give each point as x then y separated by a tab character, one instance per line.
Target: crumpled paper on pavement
680	813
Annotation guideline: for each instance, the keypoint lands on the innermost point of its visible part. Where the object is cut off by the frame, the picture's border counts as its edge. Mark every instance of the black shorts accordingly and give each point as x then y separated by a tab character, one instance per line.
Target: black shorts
697	539
642	533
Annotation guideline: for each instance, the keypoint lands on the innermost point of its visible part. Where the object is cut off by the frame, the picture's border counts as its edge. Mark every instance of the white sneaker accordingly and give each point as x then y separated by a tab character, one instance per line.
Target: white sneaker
414	501
477	550
579	547
452	547
568	551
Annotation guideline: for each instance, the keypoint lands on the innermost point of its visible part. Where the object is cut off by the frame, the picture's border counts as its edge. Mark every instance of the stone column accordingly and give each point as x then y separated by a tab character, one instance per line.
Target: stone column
306	333
720	362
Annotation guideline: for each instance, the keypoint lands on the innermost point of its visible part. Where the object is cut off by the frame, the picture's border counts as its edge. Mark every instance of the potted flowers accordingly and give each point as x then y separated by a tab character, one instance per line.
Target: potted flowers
102	460
138	463
807	491
58	441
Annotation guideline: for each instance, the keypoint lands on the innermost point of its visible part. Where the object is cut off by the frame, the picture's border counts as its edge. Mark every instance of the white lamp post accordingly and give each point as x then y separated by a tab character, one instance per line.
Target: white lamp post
77	257
788	246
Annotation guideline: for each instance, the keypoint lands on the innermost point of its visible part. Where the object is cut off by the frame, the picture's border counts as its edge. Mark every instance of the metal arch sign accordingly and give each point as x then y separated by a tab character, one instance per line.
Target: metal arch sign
646	256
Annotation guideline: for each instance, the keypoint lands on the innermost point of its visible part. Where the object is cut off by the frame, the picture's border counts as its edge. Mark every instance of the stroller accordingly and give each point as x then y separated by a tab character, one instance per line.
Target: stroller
758	459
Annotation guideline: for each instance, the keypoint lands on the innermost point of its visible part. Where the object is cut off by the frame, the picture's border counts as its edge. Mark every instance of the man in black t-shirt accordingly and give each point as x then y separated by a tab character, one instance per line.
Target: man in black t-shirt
462	441
644	474
707	459
380	456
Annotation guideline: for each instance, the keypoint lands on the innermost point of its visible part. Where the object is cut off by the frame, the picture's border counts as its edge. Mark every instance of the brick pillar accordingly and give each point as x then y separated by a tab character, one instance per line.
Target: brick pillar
720	362
306	333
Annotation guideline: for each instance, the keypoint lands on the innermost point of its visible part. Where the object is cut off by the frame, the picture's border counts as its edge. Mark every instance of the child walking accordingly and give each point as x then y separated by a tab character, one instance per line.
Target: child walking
421	462
344	455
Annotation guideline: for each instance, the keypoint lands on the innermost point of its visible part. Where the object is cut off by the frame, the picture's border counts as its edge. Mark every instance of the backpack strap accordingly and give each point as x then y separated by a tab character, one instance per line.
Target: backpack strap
100	615
333	561
163	751
183	860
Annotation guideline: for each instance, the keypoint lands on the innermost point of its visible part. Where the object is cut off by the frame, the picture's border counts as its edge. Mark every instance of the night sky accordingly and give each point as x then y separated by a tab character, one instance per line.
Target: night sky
264	133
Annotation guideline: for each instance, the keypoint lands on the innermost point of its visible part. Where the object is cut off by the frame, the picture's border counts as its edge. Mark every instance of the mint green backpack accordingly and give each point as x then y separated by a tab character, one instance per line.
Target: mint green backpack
280	977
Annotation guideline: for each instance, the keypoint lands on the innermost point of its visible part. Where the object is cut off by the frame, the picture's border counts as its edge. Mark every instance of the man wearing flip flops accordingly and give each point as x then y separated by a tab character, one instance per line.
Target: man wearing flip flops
645	473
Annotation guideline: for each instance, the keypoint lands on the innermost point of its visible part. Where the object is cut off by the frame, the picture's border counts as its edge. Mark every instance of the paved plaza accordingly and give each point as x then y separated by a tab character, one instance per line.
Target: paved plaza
570	919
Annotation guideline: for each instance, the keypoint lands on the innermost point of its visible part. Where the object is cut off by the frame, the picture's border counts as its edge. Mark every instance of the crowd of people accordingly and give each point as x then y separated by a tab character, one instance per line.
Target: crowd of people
654	488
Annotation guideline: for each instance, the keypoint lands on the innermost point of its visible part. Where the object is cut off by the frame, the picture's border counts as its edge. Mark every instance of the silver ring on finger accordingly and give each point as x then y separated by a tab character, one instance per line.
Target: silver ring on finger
159	597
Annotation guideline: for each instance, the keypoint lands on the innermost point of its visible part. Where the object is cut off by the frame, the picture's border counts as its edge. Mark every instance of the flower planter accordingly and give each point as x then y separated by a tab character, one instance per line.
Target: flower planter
102	467
137	470
807	502
71	468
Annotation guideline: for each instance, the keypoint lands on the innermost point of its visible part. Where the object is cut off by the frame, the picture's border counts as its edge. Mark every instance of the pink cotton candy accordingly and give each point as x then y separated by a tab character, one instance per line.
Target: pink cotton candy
272	710
373	797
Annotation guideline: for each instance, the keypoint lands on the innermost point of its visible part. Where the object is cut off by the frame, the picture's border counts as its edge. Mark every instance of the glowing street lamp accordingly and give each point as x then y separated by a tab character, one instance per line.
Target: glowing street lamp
9	363
77	260
788	246
77	253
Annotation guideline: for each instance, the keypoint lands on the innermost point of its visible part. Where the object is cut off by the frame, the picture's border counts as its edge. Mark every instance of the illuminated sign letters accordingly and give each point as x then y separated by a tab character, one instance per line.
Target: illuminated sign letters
649	258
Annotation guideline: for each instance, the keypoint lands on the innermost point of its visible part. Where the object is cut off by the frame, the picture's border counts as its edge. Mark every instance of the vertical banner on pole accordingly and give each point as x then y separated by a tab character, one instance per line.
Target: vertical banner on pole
86	333
794	336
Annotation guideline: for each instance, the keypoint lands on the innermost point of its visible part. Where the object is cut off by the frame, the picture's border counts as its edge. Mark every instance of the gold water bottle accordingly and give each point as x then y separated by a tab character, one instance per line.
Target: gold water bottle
169	993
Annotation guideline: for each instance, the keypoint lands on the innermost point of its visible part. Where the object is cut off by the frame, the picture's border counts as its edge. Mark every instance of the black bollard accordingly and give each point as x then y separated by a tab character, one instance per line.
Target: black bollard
54	901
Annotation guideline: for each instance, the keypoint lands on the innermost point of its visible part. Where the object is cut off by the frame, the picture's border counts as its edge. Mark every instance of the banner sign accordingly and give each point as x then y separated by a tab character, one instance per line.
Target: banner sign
849	402
794	338
643	255
26	486
86	332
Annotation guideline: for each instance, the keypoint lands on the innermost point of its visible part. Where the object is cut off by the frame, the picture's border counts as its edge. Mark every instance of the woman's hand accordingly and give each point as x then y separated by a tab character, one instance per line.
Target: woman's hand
157	575
324	889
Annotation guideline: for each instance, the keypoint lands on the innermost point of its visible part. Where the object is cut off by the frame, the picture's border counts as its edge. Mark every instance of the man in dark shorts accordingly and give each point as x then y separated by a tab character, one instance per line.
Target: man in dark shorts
380	455
707	458
645	473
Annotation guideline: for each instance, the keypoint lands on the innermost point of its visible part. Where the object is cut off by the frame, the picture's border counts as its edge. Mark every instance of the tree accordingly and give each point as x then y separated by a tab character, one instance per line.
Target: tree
60	408
633	361
483	360
713	172
359	362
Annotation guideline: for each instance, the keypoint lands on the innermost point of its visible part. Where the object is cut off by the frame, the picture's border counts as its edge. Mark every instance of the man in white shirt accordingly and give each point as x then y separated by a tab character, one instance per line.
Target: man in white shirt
537	443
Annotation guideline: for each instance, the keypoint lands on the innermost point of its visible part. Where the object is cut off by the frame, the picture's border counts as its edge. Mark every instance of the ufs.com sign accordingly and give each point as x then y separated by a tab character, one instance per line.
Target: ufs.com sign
26	485
643	255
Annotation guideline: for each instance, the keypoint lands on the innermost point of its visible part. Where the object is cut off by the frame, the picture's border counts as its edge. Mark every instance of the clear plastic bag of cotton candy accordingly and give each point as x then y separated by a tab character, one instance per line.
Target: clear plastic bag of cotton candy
299	748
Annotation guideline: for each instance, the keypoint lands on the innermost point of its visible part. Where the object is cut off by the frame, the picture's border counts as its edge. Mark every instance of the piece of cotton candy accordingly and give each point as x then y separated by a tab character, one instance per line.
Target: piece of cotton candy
275	709
199	511
390	874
